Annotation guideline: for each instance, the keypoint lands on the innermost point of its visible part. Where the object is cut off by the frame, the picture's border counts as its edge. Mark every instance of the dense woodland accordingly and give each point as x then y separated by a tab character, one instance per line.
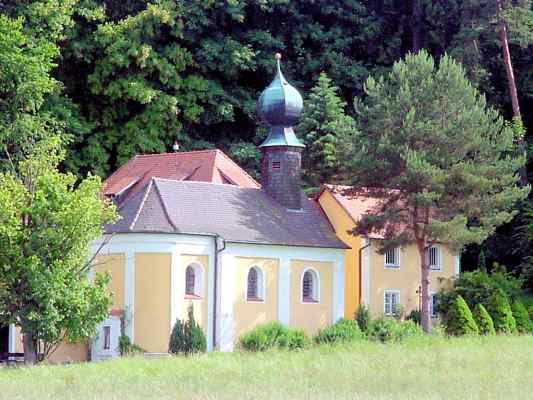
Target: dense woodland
119	78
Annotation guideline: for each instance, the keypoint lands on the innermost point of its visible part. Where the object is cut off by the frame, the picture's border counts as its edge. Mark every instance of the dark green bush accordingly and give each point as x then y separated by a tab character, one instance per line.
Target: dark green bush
344	330
187	337
271	335
362	316
483	320
126	348
530	312
391	330
501	313
478	286
414	316
459	319
523	323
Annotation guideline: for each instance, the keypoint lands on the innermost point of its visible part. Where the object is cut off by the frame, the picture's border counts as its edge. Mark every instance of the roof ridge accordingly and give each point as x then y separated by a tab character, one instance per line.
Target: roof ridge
165	210
175	153
238	166
137	214
206	183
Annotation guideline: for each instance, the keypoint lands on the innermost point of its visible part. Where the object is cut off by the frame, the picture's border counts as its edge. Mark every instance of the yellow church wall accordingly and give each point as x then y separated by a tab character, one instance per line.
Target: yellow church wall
342	223
199	304
248	314
311	316
406	279
152	301
115	265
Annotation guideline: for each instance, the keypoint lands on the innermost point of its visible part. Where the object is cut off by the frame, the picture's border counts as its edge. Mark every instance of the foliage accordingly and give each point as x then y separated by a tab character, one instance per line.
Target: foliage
459	319
273	335
477	287
344	330
323	123
47	221
414	316
187	337
483	320
126	348
521	316
362	316
501	313
391	330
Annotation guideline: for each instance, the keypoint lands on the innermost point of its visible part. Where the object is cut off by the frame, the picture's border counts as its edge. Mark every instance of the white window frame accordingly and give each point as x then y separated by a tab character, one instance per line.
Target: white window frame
316	286
261	292
198	281
396	265
438	266
392	292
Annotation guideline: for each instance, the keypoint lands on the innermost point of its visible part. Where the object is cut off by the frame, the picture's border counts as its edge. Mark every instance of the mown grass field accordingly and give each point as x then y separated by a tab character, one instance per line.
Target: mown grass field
419	368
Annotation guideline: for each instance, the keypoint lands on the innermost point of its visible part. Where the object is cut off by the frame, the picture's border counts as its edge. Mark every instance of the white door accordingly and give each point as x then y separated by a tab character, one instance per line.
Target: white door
105	344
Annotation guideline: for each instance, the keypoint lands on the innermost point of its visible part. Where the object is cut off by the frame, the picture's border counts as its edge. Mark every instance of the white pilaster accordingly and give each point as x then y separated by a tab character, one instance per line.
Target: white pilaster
365	272
284	282
338	290
227	298
12	338
209	293
129	294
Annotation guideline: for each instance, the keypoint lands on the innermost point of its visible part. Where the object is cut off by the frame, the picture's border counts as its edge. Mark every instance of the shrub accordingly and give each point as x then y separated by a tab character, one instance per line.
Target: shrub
501	313
530	312
389	330
478	286
362	316
459	320
483	320
523	323
126	348
271	335
187	337
344	330
414	316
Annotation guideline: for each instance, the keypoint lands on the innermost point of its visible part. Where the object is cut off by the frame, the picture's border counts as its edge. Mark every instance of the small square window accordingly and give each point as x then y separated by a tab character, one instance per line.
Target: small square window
276	165
392	258
434	258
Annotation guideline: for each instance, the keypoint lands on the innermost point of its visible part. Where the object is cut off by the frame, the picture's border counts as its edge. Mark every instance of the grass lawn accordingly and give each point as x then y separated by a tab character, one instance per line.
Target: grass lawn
419	368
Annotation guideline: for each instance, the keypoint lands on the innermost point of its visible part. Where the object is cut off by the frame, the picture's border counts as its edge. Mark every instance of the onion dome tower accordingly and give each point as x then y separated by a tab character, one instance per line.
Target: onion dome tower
280	107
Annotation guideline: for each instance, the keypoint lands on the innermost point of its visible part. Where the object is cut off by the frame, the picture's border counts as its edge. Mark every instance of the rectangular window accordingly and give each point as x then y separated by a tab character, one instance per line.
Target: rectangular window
391	302
107	337
434	258
276	164
433	310
392	258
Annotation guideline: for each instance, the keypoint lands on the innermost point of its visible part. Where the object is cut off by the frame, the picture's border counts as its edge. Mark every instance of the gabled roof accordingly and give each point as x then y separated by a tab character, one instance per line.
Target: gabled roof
203	166
237	214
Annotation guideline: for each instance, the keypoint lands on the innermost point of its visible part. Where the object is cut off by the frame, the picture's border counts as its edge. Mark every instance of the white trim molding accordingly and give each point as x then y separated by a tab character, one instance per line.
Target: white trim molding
365	272
227	299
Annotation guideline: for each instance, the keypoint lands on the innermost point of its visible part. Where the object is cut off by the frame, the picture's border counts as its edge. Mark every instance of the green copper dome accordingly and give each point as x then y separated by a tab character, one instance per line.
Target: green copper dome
280	106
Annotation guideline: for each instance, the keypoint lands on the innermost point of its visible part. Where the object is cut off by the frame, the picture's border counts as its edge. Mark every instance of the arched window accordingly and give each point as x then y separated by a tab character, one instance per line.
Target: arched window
193	280
254	285
310	286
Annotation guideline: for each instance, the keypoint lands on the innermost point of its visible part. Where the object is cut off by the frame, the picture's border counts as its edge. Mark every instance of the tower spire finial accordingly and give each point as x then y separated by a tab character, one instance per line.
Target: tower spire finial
277	56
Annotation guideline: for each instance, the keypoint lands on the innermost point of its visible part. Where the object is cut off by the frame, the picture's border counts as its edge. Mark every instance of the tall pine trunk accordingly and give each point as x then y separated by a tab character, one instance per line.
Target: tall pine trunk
30	349
425	317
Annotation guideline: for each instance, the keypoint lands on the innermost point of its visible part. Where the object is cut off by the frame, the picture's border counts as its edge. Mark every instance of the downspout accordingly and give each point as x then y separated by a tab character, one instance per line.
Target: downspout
361	269
215	288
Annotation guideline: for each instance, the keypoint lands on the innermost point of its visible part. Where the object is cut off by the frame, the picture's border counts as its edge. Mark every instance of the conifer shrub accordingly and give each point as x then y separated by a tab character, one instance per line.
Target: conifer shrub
483	320
362	316
274	335
344	330
523	322
501	313
459	319
187	337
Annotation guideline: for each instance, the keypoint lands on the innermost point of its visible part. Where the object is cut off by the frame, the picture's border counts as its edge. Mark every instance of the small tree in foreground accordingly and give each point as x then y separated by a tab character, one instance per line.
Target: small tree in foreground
502	315
47	222
521	316
460	320
483	320
441	163
187	337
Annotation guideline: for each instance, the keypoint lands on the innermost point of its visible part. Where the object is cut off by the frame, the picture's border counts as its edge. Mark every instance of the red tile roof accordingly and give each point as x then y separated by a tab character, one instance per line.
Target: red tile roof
203	166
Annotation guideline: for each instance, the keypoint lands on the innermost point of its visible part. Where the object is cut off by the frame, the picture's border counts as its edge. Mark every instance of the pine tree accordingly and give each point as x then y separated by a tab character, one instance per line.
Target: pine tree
523	323
483	320
502	315
460	320
429	150
323	123
187	336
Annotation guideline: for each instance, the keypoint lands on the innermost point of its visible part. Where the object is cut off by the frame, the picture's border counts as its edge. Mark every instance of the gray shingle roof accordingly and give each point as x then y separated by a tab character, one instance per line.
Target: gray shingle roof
237	214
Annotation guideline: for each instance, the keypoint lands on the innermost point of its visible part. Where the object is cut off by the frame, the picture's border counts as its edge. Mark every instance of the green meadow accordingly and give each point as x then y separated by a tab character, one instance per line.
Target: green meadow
432	367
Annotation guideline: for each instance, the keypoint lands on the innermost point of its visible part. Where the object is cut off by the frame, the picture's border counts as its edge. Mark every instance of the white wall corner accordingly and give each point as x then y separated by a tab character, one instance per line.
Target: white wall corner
227	298
365	272
284	282
12	338
338	290
210	296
